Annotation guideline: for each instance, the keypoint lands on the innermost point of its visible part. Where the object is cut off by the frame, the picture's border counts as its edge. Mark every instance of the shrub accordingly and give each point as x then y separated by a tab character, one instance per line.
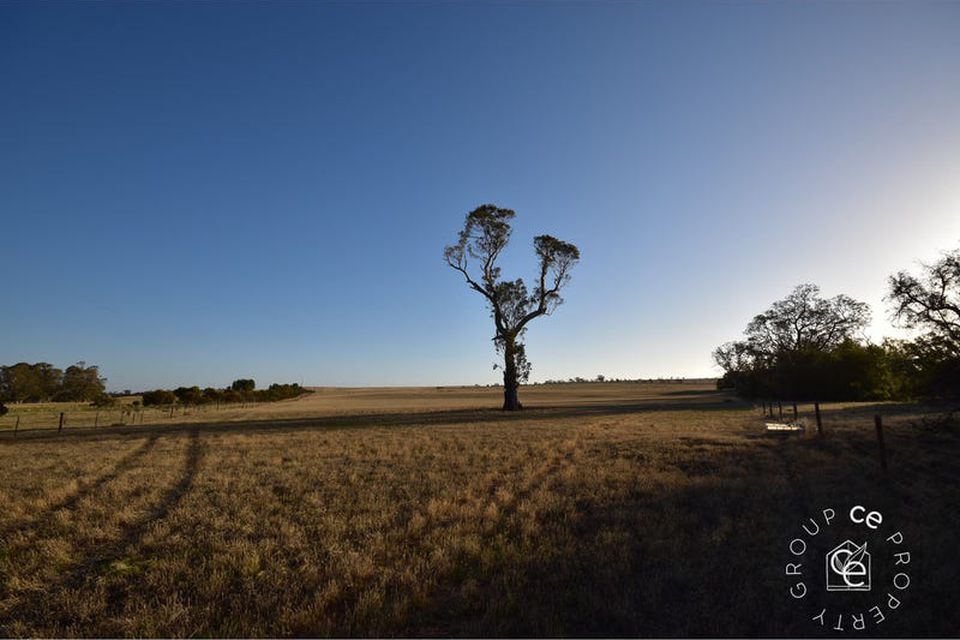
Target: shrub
158	397
103	400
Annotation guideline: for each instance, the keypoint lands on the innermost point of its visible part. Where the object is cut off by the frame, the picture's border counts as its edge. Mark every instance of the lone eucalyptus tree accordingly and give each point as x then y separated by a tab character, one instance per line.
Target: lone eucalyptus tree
484	237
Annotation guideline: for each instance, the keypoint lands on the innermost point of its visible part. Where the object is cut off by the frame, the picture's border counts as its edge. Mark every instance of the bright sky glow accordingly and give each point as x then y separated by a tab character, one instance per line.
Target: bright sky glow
194	192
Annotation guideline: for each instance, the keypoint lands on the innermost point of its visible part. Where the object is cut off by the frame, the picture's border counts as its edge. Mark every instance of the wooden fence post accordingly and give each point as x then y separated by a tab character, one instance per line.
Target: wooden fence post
96	420
878	421
795	414
816	409
16	427
780	407
60	428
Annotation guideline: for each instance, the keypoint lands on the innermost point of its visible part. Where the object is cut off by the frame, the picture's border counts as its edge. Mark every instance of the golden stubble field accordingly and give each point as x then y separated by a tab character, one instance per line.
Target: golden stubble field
614	509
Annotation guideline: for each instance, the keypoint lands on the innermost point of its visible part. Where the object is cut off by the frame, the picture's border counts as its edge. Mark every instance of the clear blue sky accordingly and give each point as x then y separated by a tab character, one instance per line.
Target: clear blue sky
193	192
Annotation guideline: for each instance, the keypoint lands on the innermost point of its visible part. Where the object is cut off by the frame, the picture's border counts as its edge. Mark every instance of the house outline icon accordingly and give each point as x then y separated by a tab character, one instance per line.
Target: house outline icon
848	567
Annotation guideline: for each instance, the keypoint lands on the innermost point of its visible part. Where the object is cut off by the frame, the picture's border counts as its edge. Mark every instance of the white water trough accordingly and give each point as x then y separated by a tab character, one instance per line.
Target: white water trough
785	426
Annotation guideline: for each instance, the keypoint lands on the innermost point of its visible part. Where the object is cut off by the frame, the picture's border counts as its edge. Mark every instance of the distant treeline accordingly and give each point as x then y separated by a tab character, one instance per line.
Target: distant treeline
43	382
602	379
805	347
242	390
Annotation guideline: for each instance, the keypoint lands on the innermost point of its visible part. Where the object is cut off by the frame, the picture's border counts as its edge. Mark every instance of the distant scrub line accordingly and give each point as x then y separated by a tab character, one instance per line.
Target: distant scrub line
42	382
243	390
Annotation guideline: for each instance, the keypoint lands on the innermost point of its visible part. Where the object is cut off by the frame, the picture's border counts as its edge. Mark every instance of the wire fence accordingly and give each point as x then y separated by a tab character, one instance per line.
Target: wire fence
50	418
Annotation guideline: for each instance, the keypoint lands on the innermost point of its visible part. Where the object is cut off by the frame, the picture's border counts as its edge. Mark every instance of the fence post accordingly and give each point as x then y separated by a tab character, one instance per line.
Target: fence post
16	427
780	407
795	414
96	420
60	428
878	421
816	409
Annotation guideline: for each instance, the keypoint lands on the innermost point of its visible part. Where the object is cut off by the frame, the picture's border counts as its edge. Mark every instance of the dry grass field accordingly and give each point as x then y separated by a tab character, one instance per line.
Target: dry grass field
614	509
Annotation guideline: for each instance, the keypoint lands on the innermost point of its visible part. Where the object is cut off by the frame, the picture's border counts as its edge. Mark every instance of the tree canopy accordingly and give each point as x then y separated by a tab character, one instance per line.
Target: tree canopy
930	303
805	347
485	235
42	382
804	321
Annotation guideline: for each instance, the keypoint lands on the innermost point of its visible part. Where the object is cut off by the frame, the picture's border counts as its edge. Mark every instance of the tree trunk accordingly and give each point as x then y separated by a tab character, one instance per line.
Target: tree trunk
511	401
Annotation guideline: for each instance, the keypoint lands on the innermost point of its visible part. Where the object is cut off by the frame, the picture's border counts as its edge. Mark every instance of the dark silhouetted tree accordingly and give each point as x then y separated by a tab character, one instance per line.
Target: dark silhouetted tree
243	385
803	321
485	235
930	303
800	348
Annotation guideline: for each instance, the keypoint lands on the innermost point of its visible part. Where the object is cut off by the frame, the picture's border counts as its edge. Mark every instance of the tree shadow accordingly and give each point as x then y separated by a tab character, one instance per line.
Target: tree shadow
537	413
700	392
86	489
93	564
50	613
704	559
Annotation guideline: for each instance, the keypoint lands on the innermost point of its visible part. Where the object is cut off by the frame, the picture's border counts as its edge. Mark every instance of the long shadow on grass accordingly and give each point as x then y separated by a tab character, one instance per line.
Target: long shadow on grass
122	466
635	563
705	558
50	613
92	566
716	402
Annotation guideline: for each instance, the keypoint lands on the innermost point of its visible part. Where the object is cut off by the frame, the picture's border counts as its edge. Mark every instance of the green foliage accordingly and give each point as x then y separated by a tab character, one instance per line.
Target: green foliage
243	385
81	383
485	235
195	396
189	395
158	397
277	392
42	382
25	382
104	400
804	347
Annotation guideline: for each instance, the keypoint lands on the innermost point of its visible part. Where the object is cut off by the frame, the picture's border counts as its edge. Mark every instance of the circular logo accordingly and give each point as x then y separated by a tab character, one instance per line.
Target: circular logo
849	568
